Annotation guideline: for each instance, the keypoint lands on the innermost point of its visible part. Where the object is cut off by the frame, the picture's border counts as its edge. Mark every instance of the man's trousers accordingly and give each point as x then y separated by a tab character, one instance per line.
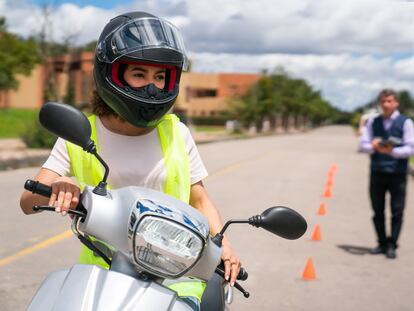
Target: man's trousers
395	184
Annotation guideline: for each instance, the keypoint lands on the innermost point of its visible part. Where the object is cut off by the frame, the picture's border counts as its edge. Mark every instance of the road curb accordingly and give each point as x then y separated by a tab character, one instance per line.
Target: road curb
14	159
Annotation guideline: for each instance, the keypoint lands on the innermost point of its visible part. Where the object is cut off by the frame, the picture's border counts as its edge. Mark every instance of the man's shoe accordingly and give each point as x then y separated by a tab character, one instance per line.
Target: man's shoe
377	250
391	254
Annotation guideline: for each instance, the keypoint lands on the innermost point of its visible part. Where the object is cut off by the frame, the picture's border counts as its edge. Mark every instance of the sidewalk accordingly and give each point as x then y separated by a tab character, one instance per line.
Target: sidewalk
14	154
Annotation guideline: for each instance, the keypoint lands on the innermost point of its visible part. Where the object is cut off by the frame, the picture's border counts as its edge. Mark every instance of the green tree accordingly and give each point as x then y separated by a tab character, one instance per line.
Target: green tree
278	94
17	56
406	102
90	47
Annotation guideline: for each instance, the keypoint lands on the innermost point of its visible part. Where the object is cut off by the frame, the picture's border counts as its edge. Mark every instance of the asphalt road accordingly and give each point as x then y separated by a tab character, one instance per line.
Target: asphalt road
246	177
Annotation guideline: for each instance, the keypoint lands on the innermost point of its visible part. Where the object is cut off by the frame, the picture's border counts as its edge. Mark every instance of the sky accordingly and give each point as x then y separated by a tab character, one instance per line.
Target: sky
349	50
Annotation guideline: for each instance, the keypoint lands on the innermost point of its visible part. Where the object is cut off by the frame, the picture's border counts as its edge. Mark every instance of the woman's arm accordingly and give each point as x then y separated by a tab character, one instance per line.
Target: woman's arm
65	193
200	200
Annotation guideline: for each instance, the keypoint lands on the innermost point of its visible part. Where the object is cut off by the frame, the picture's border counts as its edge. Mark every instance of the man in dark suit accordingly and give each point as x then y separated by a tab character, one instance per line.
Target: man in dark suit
389	139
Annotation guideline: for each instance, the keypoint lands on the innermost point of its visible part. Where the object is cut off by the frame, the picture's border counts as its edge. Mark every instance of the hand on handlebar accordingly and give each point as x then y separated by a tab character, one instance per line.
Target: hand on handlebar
65	194
231	264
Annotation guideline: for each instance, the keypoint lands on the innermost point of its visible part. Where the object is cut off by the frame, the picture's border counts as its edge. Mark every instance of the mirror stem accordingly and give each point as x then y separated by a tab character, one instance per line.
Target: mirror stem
255	221
100	189
218	238
105	177
233	221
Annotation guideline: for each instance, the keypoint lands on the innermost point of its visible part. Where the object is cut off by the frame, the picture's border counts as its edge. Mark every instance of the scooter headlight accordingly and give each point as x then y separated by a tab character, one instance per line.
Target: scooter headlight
164	247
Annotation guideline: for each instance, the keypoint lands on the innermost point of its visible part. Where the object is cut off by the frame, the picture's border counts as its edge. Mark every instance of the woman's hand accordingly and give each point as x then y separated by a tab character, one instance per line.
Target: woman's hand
232	264
65	195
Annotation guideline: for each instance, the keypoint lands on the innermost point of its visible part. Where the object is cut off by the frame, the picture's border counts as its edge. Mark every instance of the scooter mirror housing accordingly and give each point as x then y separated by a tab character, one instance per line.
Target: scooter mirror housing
72	125
67	122
282	221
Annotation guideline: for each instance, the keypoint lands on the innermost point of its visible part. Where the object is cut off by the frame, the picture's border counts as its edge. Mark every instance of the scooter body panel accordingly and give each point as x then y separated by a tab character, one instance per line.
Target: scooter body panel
87	288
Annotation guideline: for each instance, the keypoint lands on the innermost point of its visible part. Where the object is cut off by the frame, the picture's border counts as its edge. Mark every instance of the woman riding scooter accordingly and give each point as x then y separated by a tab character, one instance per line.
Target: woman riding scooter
138	63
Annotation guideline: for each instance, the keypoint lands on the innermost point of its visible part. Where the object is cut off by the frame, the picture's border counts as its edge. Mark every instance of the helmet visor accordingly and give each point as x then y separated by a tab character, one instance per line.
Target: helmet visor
141	34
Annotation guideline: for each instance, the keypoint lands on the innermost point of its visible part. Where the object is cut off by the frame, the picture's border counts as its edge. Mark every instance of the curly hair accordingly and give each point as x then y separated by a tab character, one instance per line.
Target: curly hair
99	107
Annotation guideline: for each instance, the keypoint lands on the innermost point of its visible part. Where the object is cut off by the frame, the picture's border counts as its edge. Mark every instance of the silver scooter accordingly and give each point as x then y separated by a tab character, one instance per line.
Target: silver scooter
149	240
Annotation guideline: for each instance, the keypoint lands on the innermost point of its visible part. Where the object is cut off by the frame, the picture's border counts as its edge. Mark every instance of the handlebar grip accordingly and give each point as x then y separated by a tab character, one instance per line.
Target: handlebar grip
37	187
243	275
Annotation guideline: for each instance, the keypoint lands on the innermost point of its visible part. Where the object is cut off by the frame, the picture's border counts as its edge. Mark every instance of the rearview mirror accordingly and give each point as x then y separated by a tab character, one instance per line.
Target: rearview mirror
72	125
282	221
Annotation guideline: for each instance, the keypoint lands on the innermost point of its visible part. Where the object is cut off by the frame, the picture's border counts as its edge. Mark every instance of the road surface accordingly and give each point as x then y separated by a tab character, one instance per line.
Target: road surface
246	177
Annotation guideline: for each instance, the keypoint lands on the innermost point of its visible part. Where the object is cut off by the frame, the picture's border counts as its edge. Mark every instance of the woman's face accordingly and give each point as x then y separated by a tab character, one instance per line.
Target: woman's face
141	75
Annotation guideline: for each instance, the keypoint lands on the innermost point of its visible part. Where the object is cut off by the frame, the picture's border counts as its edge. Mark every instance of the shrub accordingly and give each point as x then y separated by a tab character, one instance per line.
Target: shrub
208	121
15	121
35	136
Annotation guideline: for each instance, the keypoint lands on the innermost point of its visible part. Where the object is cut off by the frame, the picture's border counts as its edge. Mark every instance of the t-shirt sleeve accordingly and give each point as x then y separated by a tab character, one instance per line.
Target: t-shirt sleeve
197	169
58	160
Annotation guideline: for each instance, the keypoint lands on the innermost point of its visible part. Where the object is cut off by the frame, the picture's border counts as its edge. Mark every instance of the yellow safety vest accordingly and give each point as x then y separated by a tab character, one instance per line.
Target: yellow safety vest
89	171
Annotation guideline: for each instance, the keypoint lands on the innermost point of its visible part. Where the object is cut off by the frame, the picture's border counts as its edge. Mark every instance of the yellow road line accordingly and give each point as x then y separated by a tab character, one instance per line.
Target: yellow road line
36	247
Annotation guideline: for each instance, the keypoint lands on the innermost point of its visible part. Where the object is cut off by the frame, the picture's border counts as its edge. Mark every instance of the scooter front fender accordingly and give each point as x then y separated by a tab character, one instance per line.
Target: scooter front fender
87	288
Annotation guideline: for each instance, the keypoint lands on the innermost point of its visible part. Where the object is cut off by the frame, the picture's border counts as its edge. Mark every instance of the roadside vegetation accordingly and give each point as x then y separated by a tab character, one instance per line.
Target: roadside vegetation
280	98
24	124
209	129
17	56
14	122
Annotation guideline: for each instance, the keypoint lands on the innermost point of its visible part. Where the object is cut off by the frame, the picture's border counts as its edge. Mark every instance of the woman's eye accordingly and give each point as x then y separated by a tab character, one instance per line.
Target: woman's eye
138	75
160	77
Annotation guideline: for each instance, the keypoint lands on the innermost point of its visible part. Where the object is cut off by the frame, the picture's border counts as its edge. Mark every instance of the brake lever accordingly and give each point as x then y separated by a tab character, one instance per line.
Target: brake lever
236	285
229	294
52	209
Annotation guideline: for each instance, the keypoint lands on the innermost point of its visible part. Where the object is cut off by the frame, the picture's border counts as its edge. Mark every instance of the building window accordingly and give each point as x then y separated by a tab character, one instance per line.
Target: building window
58	66
75	66
203	93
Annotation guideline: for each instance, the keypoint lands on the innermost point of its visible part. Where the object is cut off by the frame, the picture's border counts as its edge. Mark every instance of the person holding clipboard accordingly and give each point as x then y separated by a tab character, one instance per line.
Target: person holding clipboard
389	139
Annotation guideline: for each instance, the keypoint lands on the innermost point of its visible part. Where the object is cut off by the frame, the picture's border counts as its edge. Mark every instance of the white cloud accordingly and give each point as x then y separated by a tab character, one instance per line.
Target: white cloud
348	49
301	26
67	21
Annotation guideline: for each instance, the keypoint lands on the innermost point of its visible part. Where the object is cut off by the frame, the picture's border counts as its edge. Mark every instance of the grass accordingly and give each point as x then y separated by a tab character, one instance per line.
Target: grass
210	128
13	122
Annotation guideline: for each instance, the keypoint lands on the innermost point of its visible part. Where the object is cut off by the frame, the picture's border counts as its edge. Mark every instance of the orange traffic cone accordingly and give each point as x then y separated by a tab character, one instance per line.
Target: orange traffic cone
316	235
329	182
309	271
322	209
327	193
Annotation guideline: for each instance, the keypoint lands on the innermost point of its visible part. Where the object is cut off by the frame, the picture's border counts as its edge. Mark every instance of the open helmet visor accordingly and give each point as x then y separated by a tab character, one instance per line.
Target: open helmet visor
139	35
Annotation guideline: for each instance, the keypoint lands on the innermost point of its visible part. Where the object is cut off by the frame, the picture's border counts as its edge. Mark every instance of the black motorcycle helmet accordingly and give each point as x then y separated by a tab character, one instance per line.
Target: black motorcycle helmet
139	38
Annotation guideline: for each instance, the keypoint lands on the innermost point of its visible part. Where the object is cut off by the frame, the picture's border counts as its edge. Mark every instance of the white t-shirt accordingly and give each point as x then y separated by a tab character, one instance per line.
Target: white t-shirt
132	160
